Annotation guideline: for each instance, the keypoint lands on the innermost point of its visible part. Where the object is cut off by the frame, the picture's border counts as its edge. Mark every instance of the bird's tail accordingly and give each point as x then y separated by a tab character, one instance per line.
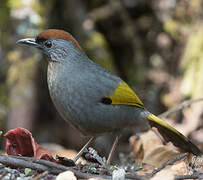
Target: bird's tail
171	134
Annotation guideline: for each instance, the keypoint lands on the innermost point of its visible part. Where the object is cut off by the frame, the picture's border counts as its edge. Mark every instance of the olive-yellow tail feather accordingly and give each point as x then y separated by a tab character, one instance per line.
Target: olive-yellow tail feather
171	134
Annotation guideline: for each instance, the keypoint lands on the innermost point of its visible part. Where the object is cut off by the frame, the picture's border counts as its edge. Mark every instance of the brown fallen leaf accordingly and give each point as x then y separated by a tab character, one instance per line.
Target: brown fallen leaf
145	169
180	168
166	174
137	149
154	152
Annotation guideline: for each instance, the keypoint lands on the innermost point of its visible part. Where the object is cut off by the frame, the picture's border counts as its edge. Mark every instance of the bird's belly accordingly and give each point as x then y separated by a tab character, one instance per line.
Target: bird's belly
96	118
83	116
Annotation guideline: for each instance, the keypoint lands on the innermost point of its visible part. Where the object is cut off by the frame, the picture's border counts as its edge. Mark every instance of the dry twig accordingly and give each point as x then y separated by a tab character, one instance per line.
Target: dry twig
3	174
171	162
179	107
192	176
41	175
53	168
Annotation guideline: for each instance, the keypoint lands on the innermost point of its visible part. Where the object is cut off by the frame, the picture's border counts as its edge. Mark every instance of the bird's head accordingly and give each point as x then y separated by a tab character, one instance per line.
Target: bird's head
55	44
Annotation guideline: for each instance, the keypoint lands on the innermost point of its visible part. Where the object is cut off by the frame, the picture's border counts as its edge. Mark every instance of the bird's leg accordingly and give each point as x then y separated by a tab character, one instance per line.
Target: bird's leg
82	150
112	150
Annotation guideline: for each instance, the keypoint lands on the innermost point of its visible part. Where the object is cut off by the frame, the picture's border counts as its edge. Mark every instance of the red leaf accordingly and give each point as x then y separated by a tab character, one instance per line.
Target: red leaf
19	141
48	158
42	153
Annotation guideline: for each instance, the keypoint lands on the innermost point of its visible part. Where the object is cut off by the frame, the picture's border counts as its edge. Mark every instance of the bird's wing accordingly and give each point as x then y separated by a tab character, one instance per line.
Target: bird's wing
123	94
113	90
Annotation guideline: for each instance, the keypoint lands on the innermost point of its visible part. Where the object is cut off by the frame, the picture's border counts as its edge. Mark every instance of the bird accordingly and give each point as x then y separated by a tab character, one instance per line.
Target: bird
92	99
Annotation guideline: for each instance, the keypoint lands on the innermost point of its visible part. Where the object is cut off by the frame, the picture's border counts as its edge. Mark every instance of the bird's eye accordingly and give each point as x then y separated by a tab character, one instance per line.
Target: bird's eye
48	44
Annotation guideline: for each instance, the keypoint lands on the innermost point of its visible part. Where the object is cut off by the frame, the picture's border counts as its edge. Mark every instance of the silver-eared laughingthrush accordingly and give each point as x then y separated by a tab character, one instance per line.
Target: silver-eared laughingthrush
94	100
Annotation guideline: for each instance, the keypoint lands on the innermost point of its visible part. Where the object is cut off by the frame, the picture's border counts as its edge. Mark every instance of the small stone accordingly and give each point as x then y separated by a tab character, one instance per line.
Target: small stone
67	175
118	174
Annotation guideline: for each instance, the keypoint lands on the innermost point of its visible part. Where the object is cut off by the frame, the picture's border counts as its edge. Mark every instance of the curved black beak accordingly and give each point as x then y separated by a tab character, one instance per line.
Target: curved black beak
29	42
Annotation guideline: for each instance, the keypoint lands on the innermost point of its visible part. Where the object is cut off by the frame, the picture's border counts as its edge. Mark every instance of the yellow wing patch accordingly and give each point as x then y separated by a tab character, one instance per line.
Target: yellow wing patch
125	95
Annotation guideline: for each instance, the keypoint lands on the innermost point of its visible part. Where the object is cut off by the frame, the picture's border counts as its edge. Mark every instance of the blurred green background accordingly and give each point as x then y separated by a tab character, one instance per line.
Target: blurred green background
155	46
